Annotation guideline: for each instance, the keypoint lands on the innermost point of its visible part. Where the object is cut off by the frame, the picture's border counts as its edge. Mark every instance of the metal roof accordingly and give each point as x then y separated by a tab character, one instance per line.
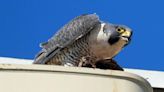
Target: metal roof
155	78
50	78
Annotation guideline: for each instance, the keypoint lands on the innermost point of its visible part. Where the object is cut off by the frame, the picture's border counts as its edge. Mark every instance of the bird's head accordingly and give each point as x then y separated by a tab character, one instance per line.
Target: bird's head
109	39
115	33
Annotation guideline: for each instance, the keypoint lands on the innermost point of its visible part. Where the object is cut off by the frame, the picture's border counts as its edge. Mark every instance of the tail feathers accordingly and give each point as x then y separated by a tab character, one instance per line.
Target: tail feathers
40	57
43	56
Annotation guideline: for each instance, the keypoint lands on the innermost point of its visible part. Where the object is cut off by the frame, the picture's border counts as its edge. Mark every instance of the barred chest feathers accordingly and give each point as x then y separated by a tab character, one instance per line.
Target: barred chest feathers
73	53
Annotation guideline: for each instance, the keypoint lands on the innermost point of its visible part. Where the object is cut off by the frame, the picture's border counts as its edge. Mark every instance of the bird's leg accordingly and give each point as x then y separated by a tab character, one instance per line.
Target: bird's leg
108	64
101	64
87	62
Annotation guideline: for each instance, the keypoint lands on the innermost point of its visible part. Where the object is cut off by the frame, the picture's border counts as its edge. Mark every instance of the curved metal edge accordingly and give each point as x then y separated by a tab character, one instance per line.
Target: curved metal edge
79	70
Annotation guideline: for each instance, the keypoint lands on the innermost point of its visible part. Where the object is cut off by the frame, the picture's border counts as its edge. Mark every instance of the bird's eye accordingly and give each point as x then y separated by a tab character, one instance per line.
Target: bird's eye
120	30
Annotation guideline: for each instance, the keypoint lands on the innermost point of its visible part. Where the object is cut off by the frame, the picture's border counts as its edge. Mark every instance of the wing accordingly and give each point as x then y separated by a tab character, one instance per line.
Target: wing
75	29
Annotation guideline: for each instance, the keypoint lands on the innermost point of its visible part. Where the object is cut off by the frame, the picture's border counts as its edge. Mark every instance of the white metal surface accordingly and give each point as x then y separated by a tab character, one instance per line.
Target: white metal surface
5	60
155	78
48	78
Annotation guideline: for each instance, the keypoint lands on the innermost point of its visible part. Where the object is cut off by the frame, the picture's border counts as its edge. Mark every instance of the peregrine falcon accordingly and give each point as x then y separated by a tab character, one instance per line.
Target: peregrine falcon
84	39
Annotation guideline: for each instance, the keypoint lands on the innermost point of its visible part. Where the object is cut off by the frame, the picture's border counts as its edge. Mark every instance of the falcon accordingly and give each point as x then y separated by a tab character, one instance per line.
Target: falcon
85	39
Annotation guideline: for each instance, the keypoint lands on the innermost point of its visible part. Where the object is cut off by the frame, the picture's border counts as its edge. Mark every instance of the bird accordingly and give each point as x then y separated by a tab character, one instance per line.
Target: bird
84	39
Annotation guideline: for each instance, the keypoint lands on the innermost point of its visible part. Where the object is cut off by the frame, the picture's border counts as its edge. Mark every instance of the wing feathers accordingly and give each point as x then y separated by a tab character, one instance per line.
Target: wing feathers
75	29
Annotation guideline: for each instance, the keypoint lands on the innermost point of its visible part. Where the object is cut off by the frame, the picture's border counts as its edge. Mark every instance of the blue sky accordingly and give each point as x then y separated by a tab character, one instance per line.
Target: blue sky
26	23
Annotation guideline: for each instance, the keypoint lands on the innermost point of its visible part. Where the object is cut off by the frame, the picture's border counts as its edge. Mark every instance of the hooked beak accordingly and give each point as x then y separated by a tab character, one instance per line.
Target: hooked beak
127	36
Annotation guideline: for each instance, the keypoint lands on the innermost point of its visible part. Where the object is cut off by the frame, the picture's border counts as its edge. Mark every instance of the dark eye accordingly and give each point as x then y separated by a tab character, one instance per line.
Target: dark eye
120	30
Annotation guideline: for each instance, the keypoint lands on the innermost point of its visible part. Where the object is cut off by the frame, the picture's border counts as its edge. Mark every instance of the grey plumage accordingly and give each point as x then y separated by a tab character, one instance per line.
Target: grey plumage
84	38
79	26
